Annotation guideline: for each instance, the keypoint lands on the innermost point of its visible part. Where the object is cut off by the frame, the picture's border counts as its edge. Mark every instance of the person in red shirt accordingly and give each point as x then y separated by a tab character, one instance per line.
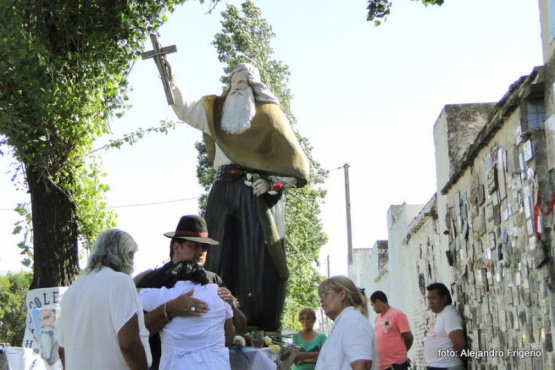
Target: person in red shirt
393	335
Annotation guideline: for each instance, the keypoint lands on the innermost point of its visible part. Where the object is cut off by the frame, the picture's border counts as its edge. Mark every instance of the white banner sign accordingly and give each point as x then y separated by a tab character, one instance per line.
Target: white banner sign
43	310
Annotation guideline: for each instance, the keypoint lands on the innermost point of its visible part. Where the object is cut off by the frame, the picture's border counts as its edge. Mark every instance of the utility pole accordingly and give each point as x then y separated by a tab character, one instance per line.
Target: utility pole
328	259
348	211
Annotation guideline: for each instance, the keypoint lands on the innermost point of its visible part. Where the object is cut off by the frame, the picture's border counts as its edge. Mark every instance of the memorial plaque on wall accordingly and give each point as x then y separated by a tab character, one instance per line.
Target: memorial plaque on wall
527	150
522	164
491	241
505	211
464	212
501	177
448	219
474	197
481	195
479	224
497	215
508	279
465	230
489	211
518	134
515	183
527	202
504	235
532	243
529	227
519	200
492	180
539	257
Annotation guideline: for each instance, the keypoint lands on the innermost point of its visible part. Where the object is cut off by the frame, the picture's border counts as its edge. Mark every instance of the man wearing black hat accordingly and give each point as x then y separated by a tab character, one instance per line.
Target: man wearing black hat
188	243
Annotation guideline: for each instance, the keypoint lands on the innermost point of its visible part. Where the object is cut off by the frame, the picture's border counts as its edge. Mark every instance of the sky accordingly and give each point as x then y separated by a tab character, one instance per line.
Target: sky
363	95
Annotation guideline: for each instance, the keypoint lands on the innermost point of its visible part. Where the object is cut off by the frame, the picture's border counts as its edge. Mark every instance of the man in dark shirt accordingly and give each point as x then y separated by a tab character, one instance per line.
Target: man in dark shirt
188	243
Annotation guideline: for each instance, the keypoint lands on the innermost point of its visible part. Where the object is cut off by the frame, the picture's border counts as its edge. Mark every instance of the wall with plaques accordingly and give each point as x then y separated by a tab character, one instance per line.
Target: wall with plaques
500	253
484	234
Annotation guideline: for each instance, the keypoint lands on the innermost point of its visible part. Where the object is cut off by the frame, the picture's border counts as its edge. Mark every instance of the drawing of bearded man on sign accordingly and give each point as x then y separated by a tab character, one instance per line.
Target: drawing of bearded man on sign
47	338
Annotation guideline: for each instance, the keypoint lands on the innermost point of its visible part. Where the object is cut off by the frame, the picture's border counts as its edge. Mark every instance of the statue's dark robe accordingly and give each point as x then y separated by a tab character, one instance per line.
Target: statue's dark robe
246	257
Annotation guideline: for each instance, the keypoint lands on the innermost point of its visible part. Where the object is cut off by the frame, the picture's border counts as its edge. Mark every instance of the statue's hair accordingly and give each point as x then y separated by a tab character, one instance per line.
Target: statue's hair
354	296
114	249
260	90
186	270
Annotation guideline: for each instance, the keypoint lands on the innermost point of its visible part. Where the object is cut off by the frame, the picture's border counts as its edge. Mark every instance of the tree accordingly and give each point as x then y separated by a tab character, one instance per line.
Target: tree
246	38
63	69
379	10
13	291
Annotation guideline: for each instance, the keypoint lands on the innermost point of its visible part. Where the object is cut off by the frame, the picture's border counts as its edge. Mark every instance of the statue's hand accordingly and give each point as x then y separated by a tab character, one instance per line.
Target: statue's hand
167	67
260	187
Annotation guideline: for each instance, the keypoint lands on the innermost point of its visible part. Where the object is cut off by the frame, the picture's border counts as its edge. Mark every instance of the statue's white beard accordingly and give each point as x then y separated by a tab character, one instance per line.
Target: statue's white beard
238	111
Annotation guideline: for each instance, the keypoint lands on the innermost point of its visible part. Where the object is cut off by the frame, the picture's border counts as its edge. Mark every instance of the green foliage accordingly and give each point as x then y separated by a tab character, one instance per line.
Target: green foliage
13	290
24	227
379	10
63	71
246	38
206	175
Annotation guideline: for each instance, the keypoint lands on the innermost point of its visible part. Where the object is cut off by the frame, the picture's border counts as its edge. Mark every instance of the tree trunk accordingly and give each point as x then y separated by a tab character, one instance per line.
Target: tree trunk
56	261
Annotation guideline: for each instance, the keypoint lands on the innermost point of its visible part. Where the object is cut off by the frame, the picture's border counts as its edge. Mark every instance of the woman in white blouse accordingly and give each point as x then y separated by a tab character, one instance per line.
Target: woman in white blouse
195	342
351	343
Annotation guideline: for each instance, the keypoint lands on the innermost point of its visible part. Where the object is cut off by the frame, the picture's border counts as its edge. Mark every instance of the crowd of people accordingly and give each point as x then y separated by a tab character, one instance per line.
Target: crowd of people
197	317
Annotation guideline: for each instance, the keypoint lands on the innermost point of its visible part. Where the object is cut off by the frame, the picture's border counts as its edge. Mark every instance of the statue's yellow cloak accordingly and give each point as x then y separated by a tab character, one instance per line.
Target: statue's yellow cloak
269	146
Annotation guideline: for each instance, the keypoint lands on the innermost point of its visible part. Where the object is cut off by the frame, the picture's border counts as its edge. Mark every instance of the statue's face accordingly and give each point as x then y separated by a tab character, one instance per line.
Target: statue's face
239	81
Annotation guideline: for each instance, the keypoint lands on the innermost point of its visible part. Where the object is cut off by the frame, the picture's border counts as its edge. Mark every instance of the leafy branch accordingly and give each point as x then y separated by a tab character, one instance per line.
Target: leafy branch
379	10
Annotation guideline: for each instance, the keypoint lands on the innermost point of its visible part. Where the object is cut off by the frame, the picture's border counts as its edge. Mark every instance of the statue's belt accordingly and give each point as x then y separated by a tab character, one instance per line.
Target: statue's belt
230	172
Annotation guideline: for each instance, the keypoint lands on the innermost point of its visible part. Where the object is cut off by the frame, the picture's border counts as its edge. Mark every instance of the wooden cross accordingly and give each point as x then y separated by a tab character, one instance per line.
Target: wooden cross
165	73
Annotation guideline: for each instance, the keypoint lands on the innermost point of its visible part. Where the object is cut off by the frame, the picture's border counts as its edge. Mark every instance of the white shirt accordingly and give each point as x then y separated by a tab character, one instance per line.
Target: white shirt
446	321
351	339
93	310
196	342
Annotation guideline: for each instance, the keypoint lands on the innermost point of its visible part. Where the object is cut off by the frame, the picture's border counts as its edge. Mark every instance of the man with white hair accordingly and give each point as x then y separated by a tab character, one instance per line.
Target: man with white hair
251	143
101	324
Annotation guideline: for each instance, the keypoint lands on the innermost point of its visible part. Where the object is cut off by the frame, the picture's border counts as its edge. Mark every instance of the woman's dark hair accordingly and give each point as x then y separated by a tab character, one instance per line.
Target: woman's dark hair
186	270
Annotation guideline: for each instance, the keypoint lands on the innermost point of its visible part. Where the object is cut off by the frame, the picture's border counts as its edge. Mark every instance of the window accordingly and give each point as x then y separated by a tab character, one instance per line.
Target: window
536	111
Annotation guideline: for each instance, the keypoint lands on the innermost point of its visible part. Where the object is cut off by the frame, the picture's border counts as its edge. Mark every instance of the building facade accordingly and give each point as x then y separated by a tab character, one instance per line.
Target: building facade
488	233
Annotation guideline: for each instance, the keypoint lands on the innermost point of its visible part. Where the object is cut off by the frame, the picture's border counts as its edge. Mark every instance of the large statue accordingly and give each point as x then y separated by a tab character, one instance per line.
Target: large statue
257	156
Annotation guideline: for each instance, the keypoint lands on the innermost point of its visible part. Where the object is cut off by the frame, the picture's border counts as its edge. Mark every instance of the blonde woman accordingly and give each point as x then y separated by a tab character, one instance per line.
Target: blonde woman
351	343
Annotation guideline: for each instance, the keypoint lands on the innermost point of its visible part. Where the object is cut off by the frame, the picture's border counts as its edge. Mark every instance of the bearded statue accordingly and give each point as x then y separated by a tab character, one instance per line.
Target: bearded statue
257	156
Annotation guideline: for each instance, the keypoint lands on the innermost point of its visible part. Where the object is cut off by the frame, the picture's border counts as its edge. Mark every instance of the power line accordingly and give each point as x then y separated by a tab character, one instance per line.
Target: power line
153	203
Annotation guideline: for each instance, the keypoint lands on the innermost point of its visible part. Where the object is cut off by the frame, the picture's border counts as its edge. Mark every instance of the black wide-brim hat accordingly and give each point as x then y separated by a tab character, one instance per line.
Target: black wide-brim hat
192	228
